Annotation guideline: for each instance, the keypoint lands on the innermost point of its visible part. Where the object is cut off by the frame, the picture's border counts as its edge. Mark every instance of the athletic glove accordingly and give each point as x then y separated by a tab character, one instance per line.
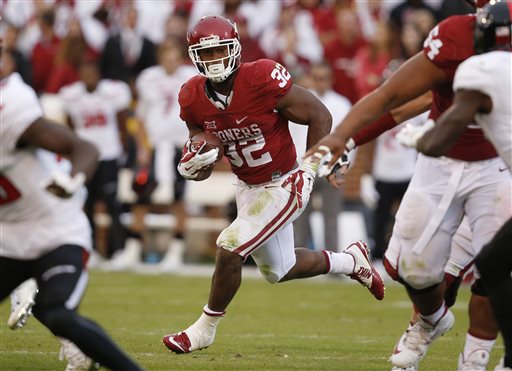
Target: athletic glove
410	134
192	161
327	171
64	185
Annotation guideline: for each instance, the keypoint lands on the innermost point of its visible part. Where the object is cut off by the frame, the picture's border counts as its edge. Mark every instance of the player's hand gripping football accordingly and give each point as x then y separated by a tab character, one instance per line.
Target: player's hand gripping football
64	185
411	134
193	161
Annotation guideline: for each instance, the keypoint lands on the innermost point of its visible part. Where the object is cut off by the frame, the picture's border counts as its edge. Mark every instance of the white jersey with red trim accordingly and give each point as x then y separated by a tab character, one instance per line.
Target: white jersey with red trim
490	74
94	114
158	105
33	221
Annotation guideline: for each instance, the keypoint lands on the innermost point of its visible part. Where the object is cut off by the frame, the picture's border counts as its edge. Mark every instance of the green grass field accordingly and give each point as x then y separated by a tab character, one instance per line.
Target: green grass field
301	325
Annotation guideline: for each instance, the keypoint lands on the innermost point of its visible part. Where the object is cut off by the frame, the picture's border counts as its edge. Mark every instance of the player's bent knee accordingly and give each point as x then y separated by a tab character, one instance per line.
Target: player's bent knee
57	319
228	240
271	275
420	279
412	216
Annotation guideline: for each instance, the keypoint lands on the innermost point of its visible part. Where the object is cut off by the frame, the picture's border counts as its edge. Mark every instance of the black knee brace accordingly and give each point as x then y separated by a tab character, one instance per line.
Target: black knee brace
478	288
452	289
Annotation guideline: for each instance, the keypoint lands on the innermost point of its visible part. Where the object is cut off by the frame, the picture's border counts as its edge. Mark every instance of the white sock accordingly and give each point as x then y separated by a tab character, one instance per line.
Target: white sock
208	321
473	343
436	316
339	262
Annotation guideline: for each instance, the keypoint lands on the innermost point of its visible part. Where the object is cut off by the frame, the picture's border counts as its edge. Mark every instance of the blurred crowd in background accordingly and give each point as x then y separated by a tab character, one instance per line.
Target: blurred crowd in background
345	48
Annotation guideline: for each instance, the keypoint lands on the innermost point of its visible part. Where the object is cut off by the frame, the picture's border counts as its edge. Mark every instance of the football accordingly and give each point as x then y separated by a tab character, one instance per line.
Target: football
212	141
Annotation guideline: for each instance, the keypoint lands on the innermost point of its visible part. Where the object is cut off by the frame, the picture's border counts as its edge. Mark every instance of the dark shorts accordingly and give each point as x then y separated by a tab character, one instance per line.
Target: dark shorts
61	276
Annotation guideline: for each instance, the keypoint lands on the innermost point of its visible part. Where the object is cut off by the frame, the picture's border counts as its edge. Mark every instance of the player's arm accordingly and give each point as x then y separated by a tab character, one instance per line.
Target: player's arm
466	104
302	107
389	120
59	139
414	78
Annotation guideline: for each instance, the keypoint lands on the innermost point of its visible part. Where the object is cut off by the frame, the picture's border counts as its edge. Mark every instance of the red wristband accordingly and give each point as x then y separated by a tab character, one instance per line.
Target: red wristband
372	131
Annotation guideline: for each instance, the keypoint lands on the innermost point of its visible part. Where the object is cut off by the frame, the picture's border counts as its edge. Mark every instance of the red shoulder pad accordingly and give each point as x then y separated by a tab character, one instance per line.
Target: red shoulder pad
269	77
188	91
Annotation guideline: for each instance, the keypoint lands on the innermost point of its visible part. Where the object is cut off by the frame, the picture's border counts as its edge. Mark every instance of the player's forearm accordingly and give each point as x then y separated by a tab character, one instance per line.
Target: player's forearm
363	113
84	158
413	108
395	117
370	132
449	127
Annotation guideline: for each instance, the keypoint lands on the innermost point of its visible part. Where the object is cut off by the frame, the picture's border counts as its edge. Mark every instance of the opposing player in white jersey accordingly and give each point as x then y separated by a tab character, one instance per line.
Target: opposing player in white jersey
158	111
45	235
483	94
97	110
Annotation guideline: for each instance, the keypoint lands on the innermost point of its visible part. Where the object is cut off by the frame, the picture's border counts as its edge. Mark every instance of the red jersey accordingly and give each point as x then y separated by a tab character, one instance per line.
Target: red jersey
256	138
448	45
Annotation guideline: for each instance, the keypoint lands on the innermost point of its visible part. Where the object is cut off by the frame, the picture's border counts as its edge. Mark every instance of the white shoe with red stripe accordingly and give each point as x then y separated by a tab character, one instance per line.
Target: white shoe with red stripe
414	345
198	336
364	271
188	341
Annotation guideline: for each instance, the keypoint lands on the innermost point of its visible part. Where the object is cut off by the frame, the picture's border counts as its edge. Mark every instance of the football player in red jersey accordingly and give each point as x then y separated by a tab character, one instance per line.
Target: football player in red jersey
467	182
247	106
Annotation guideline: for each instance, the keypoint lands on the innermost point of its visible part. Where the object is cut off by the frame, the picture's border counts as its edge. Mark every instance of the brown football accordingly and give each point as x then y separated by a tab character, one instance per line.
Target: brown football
212	141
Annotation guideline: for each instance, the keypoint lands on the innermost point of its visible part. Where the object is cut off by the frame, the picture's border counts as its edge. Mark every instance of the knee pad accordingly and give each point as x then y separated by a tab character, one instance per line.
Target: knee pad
270	275
417	275
412	215
478	288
